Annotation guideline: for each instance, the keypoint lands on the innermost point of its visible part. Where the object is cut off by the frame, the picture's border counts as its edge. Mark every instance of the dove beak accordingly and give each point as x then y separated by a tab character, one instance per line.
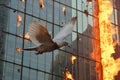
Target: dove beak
69	45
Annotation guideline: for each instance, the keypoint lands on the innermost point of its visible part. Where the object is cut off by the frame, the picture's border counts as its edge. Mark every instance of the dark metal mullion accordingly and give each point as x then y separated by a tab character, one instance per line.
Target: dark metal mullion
59	30
88	62
30	43
114	17
71	40
83	45
91	39
99	40
15	35
37	58
52	37
78	75
97	3
45	25
21	74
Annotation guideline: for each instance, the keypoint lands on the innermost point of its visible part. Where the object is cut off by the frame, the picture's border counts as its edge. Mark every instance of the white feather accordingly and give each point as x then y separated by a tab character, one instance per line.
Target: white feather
66	30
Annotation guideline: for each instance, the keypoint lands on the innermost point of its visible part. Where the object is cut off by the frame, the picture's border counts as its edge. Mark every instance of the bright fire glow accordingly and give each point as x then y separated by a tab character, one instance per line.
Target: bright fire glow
26	36
18	50
64	10
41	3
23	0
19	19
68	76
110	66
72	59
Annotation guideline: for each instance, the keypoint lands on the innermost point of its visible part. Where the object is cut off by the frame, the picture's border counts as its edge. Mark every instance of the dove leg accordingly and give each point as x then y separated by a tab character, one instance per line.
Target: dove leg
39	52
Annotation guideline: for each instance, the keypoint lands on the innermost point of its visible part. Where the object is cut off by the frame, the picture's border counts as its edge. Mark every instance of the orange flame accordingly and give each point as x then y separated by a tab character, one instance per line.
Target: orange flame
114	31
72	59
19	19
110	66
68	76
23	0
41	2
64	10
18	50
89	1
26	36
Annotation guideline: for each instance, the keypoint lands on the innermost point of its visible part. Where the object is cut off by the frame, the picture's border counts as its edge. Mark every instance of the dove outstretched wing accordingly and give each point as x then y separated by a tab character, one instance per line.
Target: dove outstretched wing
39	34
66	30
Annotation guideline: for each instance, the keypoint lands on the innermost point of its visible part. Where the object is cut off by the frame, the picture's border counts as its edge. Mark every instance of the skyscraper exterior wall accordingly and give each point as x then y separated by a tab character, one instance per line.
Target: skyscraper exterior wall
15	17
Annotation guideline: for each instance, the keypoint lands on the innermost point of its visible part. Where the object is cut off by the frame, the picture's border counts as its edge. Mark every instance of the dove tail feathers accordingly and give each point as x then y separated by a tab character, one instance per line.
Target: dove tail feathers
30	49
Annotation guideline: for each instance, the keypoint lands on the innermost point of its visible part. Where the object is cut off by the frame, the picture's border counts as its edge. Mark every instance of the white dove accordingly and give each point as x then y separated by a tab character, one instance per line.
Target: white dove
42	39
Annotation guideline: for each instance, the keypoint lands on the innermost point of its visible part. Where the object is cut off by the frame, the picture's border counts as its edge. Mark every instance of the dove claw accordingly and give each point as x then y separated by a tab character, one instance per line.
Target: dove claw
39	52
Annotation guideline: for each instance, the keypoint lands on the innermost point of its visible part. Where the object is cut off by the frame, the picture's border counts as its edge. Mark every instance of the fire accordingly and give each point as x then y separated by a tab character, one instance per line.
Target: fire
89	1
72	59
68	75
64	10
41	2
26	36
23	0
18	50
110	66
19	19
114	31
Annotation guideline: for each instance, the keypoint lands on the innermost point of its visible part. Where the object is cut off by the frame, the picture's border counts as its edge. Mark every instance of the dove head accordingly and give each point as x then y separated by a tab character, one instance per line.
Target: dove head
63	44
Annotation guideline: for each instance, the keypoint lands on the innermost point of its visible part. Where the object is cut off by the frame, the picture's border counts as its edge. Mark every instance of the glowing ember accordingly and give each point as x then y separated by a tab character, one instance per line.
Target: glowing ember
41	3
110	66
19	19
22	0
89	1
64	10
26	36
72	59
68	75
18	50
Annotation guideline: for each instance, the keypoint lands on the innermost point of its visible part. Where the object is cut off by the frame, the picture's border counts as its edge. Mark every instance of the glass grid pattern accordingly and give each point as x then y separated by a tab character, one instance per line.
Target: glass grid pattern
51	65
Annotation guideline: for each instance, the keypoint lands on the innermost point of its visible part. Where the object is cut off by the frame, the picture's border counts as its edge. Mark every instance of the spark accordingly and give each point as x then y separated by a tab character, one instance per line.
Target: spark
72	59
41	3
19	20
18	50
68	75
64	10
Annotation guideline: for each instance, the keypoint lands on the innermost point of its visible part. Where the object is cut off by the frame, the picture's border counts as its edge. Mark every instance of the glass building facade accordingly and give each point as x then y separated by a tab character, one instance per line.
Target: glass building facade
51	65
